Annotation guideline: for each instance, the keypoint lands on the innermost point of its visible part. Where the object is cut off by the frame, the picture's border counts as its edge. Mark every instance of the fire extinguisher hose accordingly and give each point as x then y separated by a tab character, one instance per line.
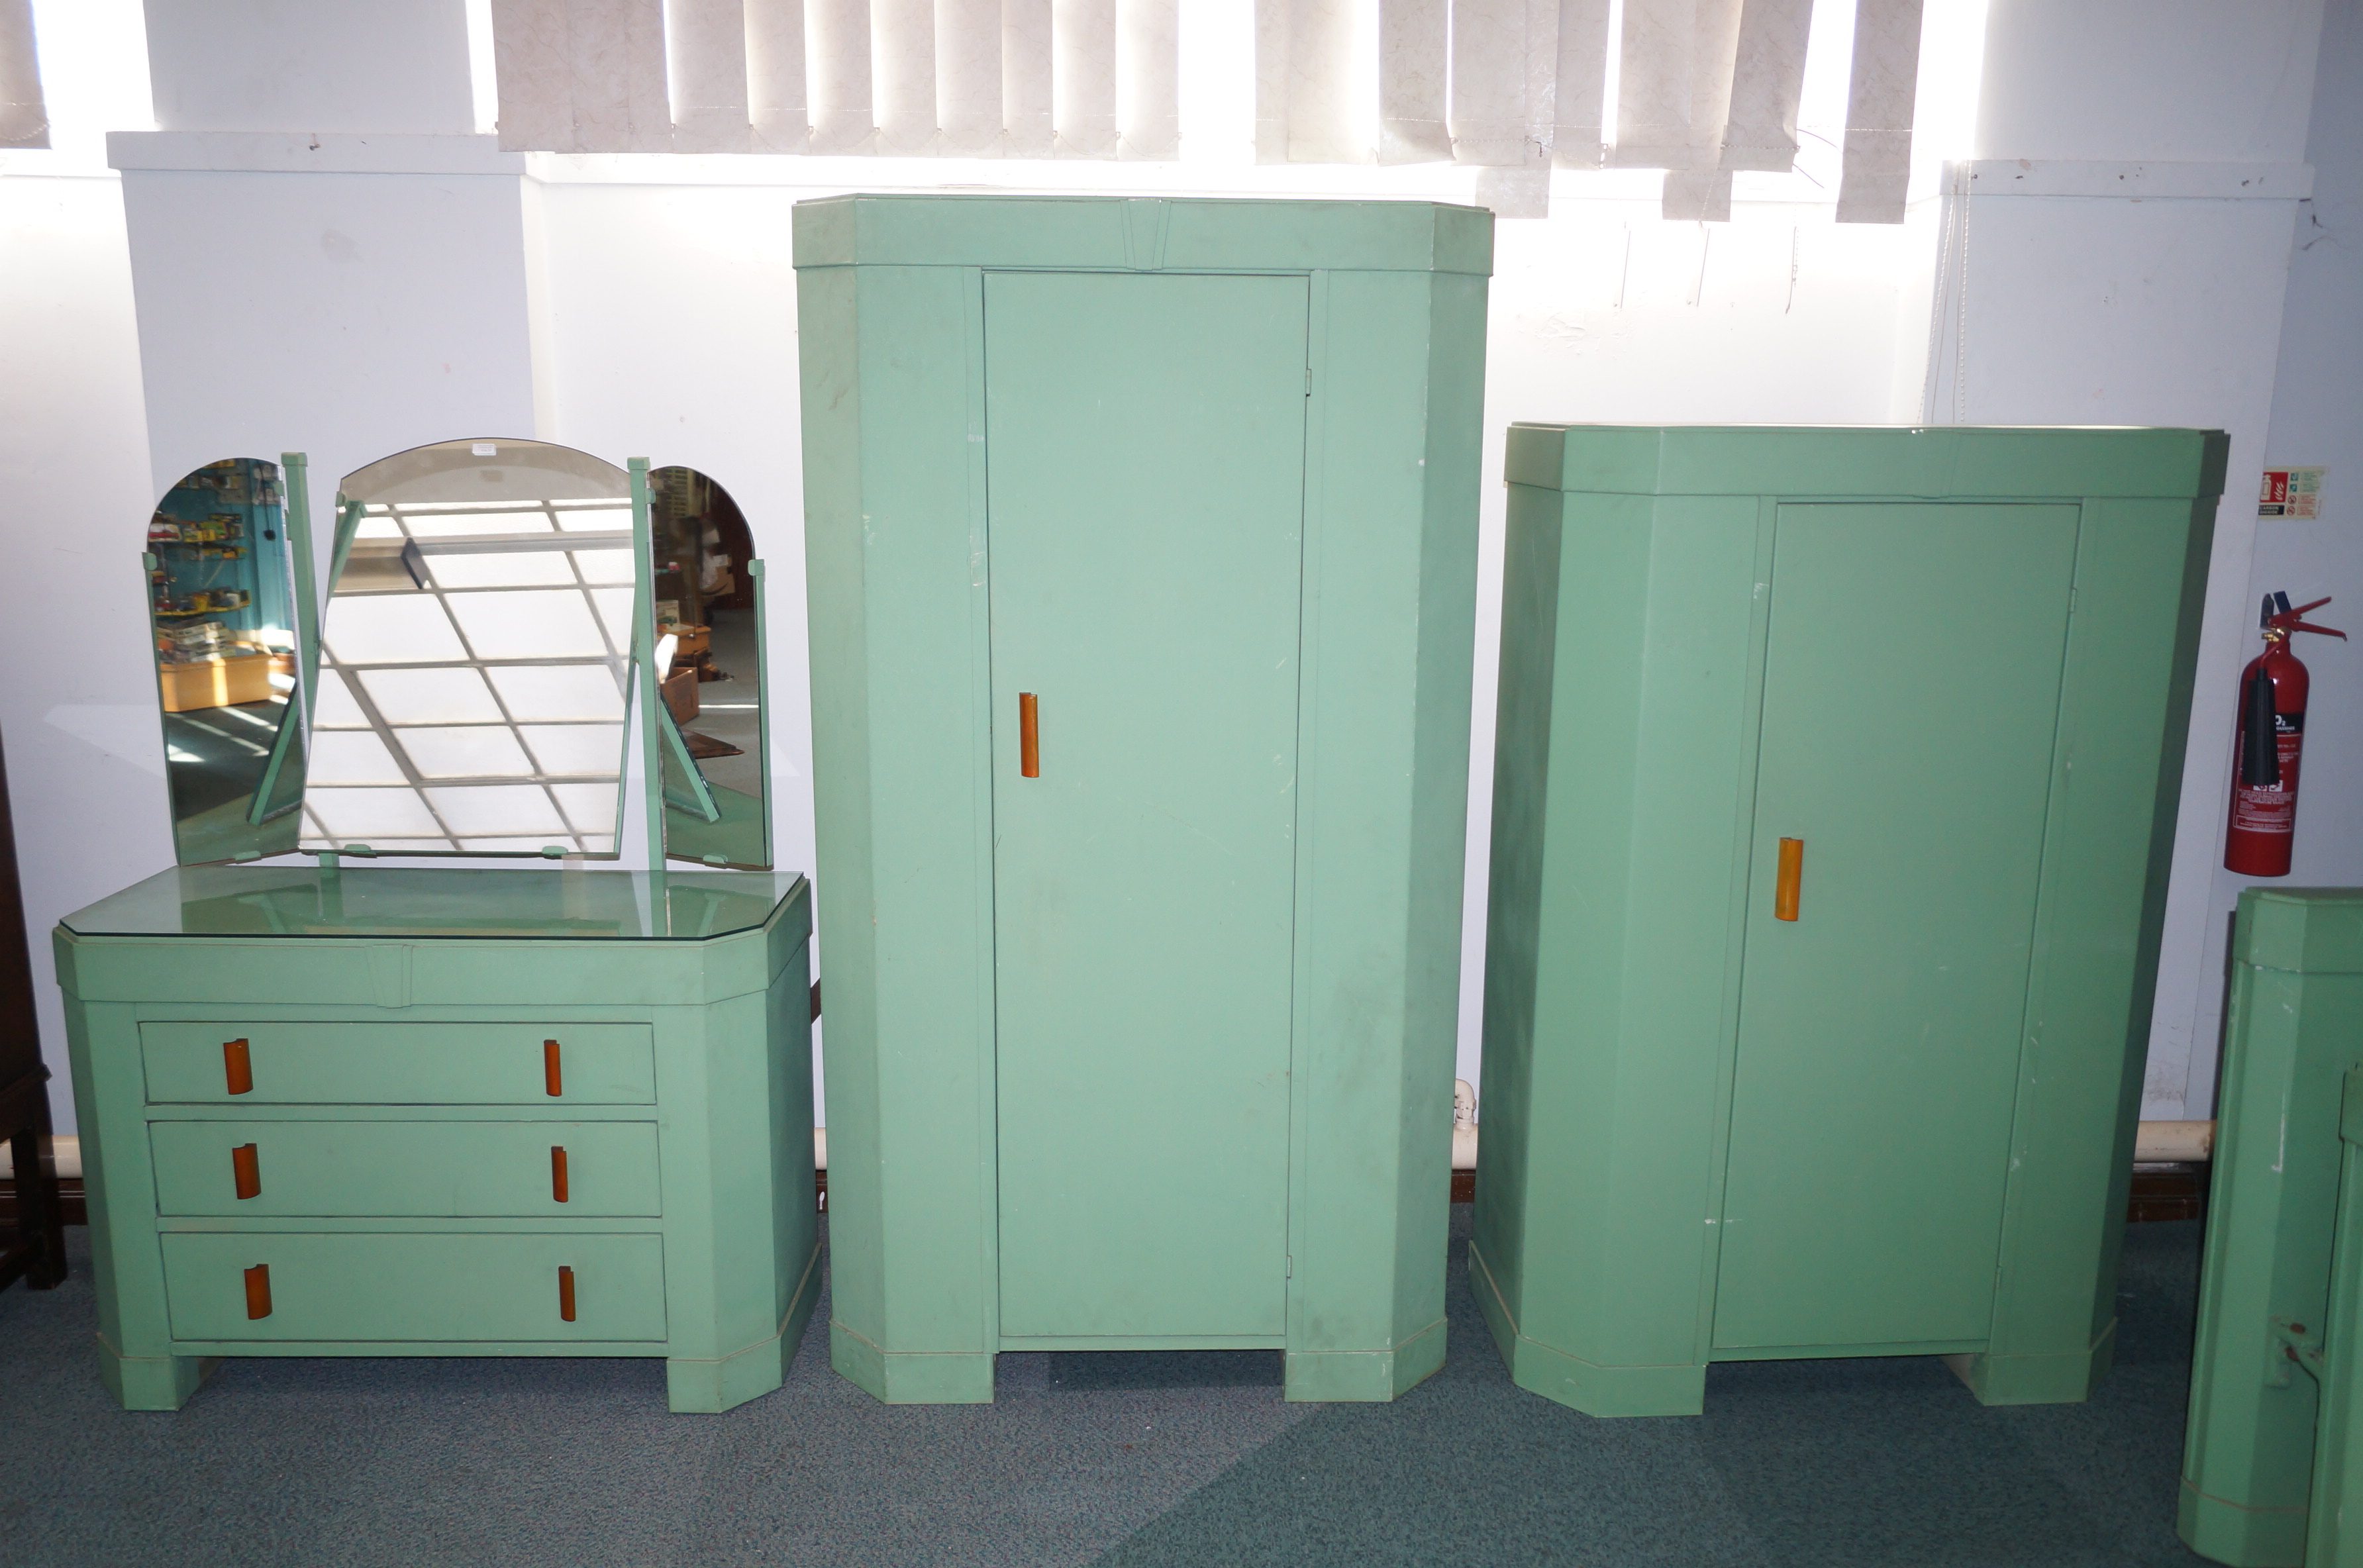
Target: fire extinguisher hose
2260	751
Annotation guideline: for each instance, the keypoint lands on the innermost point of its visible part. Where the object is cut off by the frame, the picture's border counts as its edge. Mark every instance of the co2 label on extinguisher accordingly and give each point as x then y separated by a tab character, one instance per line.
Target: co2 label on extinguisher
2272	808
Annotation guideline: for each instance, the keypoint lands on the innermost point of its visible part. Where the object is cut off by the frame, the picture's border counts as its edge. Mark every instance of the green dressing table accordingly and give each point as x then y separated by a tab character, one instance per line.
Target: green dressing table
446	1112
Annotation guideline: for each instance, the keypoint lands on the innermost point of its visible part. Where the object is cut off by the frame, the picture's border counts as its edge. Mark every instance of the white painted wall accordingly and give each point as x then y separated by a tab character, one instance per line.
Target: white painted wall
86	755
352	289
361	315
2118	256
2157	81
2317	419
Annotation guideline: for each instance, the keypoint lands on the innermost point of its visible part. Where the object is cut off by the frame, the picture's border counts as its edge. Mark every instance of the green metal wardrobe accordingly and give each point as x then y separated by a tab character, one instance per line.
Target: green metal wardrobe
2270	1460
1142	541
1834	795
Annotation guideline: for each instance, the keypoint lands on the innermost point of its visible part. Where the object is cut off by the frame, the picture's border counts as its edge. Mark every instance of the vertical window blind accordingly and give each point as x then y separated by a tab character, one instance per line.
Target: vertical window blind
1701	89
24	116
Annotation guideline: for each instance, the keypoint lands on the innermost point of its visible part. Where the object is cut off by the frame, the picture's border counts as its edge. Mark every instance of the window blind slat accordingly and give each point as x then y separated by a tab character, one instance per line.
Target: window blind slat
1149	67
1653	71
706	41
582	75
1412	83
776	76
1767	80
24	115
1579	93
1272	28
1082	77
1025	86
624	53
533	72
836	37
1492	105
1696	195
1880	102
968	77
1304	87
1674	82
903	76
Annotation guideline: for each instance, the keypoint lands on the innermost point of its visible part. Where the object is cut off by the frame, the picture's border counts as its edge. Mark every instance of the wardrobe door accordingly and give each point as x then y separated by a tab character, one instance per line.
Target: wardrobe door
1146	460
1910	696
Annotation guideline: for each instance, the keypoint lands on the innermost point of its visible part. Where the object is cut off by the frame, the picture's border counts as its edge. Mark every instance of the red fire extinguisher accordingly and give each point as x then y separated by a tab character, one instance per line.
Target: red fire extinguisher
2272	735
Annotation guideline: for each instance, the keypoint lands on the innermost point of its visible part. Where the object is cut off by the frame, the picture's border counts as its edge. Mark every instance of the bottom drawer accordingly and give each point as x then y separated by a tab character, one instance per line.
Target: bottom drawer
415	1287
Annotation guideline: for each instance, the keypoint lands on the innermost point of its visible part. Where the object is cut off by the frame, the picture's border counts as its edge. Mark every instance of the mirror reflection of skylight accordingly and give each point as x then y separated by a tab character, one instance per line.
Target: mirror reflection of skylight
473	674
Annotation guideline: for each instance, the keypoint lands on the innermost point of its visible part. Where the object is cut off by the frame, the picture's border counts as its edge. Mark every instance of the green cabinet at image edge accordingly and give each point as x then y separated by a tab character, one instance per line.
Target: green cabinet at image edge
2271	1460
1954	663
446	1112
1151	1048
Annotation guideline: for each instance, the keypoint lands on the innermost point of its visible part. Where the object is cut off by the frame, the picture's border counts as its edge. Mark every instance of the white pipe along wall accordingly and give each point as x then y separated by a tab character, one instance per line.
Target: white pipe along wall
2108	245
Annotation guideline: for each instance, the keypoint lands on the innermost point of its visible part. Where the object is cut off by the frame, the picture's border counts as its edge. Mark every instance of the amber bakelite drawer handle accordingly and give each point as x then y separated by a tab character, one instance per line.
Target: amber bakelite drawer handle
246	1170
549	1079
1793	872
237	1066
556	1174
258	1291
1029	736
565	1293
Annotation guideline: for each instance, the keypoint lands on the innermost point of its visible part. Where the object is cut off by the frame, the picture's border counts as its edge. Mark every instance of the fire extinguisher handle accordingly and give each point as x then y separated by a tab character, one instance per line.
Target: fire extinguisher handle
2280	616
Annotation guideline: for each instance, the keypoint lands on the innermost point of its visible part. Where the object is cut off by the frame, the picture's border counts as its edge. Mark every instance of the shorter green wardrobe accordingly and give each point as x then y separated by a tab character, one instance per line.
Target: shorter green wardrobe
446	1112
1834	793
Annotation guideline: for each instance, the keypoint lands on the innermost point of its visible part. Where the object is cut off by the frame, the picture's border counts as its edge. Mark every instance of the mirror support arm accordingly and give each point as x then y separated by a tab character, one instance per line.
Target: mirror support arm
644	659
293	470
295	522
763	703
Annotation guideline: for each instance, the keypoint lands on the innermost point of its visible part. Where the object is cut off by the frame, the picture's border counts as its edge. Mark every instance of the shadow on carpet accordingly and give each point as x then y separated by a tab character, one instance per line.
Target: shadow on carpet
1853	1463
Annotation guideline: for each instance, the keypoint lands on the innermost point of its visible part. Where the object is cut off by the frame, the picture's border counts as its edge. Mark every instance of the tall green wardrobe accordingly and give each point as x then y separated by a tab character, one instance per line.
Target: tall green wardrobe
1833	801
1141	542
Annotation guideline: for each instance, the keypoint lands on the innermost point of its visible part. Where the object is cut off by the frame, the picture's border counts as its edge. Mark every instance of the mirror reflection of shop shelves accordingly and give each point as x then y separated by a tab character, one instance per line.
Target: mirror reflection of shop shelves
222	610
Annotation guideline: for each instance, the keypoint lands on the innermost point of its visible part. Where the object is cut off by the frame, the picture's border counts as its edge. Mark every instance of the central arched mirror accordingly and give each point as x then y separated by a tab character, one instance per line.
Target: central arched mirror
475	654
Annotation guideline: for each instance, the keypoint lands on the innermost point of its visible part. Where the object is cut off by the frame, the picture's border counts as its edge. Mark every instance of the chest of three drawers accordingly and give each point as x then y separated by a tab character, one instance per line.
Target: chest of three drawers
532	1178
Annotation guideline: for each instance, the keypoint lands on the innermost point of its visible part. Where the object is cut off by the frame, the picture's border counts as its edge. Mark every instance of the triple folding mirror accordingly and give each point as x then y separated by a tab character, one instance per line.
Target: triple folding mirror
494	611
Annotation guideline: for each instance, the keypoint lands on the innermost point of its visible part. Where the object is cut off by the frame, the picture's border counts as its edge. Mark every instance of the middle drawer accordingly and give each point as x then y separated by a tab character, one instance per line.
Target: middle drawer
384	1170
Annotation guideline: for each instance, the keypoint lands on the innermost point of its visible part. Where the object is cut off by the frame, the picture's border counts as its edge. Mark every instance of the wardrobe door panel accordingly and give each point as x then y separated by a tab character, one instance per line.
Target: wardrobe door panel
1146	456
1911	700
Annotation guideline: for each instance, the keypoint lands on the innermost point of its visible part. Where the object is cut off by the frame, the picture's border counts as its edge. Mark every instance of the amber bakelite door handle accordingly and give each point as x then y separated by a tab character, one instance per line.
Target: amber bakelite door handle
1793	872
565	1293
237	1066
1029	736
550	1083
556	1173
258	1291
246	1171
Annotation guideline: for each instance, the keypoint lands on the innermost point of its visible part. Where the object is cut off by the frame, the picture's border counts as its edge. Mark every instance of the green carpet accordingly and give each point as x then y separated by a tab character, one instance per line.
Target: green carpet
1130	1460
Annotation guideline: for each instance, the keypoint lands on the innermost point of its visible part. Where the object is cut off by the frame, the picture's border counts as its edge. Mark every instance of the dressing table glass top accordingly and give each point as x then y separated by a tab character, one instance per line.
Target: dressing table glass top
474	904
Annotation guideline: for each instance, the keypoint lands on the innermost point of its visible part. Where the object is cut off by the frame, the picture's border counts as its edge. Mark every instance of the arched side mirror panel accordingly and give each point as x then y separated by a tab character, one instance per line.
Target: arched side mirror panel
714	728
223	596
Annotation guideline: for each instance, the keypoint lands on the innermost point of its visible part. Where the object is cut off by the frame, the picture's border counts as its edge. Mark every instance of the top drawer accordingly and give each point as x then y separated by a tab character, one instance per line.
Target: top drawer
399	1063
